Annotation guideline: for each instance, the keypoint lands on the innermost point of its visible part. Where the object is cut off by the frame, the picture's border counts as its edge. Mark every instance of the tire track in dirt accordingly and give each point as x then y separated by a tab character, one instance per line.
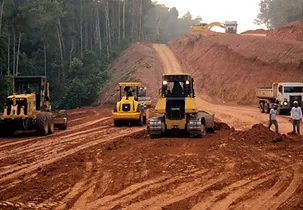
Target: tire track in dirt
51	144
49	150
57	157
56	134
275	202
257	202
131	193
181	192
233	191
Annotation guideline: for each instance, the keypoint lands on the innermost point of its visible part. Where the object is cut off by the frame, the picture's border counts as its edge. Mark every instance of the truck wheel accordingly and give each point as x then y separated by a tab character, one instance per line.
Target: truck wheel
262	107
266	108
51	125
42	124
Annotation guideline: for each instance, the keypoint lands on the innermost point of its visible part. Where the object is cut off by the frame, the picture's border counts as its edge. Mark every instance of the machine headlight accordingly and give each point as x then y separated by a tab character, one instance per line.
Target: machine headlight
285	103
187	82
164	82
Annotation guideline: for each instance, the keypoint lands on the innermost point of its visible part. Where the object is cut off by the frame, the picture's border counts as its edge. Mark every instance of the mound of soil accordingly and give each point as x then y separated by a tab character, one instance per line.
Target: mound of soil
292	31
257	31
229	67
137	63
260	134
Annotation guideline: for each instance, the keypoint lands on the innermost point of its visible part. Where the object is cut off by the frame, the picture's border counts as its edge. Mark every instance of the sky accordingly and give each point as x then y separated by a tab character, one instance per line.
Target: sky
242	11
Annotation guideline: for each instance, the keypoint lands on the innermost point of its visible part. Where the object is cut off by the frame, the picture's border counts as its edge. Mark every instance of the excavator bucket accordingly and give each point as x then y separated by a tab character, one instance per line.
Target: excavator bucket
60	119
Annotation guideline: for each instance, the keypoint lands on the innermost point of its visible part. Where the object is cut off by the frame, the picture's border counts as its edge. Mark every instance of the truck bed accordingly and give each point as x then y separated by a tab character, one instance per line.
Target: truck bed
264	92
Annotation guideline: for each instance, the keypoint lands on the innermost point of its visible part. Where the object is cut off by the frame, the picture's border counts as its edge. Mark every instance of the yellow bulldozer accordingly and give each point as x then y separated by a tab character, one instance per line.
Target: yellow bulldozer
176	110
133	106
29	108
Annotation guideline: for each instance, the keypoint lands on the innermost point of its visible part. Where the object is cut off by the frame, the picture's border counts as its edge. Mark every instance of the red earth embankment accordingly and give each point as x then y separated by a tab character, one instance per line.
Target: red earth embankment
137	63
229	67
291	31
257	31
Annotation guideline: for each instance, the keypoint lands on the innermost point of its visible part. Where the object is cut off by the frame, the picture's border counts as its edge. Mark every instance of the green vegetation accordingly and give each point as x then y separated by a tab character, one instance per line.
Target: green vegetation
73	41
274	13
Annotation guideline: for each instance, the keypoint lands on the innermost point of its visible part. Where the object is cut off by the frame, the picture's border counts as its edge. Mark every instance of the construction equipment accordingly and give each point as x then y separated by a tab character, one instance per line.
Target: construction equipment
283	94
229	26
143	98
129	110
29	108
176	109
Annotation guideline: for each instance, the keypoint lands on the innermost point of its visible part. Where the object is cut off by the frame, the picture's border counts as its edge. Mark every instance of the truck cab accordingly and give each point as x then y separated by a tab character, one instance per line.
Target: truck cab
231	27
287	93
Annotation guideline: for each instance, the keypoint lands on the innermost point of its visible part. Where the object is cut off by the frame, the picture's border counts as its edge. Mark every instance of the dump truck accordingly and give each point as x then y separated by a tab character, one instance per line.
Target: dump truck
176	110
231	27
129	110
283	94
29	108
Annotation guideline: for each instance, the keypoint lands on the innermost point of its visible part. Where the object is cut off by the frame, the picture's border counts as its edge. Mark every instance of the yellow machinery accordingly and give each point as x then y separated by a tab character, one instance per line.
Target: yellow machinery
205	26
129	110
177	110
143	98
229	26
29	108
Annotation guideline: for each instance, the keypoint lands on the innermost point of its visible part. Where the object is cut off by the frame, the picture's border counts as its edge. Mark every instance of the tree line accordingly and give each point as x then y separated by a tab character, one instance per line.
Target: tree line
275	13
73	41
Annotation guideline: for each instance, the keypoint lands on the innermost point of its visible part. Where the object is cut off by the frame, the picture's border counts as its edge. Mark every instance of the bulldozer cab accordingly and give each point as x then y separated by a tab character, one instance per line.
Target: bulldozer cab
178	86
129	89
33	85
142	92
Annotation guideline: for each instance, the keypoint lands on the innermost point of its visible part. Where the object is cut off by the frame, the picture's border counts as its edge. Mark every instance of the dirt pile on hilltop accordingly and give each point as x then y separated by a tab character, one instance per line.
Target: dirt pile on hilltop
229	67
291	31
137	63
257	31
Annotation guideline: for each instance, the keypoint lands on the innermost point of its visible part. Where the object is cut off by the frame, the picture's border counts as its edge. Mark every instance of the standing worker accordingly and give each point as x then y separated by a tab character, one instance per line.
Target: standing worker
296	116
273	117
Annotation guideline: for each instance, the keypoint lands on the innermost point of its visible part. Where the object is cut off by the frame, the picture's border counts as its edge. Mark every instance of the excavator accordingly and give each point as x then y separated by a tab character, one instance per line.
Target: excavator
176	110
229	26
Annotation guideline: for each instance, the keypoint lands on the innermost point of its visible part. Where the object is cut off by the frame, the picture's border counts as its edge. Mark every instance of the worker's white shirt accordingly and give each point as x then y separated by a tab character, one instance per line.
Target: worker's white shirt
296	113
273	114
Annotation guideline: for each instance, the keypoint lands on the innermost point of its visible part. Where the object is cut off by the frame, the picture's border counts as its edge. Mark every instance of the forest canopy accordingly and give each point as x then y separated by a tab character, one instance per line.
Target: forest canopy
275	13
73	41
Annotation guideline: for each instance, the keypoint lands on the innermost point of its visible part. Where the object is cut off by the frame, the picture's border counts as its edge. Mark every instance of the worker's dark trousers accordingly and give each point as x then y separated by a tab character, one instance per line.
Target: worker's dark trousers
296	124
275	122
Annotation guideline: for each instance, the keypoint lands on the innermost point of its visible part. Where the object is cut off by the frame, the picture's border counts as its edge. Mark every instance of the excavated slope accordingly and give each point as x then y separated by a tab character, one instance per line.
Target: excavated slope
137	63
229	67
291	31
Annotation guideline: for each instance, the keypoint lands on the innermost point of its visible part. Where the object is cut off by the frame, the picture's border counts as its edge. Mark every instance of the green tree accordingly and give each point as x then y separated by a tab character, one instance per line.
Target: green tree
274	13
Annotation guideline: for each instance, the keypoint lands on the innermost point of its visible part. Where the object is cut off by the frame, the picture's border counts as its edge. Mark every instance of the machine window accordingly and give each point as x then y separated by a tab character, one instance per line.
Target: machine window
176	89
293	89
